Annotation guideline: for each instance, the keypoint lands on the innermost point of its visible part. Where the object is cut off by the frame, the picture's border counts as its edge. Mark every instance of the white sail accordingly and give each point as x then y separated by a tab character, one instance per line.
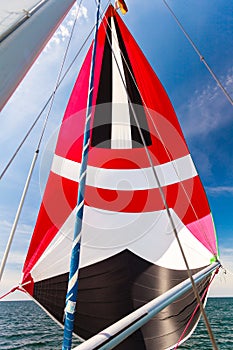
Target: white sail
25	29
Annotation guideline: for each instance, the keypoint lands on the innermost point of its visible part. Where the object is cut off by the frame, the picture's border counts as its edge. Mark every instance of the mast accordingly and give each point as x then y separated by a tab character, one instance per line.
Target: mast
72	289
24	40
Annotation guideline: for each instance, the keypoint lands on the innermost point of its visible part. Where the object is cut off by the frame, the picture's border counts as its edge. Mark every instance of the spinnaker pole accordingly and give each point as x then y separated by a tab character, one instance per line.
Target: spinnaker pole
72	290
112	336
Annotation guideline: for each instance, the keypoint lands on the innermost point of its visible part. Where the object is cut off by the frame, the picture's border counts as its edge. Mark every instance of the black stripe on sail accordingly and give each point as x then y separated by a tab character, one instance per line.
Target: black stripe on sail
102	125
135	98
111	289
101	133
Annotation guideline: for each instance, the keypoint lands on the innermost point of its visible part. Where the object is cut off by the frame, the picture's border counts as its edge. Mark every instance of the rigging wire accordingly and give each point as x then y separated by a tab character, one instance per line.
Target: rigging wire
59	74
196	309
202	59
47	102
195	290
27	183
161	139
203	228
73	282
203	231
45	106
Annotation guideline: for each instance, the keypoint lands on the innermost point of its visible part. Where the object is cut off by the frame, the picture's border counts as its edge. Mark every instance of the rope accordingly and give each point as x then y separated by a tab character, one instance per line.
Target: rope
72	290
196	293
12	291
196	308
199	54
6	294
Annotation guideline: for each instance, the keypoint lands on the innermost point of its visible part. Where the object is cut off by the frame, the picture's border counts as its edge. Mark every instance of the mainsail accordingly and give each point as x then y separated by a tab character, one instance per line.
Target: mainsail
22	37
129	253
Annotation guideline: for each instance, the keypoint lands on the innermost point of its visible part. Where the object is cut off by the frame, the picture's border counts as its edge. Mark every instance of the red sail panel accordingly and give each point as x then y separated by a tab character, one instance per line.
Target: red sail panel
128	245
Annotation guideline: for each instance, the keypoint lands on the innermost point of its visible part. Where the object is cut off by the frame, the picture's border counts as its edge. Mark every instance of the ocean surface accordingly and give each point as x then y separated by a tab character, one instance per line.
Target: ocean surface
23	325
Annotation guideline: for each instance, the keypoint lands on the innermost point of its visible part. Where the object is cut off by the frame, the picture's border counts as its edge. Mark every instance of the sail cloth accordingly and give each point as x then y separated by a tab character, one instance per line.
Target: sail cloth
22	37
129	254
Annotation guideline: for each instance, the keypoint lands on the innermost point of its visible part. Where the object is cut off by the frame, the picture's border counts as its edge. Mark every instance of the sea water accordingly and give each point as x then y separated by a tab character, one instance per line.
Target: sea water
23	325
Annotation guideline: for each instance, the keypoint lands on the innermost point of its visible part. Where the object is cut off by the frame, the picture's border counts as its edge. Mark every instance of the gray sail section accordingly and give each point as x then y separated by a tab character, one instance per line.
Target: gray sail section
24	31
12	12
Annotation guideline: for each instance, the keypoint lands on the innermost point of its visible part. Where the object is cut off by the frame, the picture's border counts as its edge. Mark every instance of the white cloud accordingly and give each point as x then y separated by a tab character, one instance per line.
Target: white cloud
206	118
5	225
22	235
226	255
16	258
80	13
19	243
200	116
63	32
219	190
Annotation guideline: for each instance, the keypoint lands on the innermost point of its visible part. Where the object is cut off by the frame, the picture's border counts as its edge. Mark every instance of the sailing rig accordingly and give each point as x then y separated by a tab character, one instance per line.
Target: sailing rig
142	219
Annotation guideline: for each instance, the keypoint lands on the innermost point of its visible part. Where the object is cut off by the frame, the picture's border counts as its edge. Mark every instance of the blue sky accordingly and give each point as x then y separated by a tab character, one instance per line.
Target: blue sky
205	114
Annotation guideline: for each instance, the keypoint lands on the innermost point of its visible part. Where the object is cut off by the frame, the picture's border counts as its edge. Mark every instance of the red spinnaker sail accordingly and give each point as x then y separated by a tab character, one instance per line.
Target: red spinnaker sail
129	253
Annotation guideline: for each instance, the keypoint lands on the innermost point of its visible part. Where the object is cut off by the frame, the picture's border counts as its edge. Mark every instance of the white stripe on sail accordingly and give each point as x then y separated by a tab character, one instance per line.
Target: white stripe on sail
106	233
127	179
121	128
